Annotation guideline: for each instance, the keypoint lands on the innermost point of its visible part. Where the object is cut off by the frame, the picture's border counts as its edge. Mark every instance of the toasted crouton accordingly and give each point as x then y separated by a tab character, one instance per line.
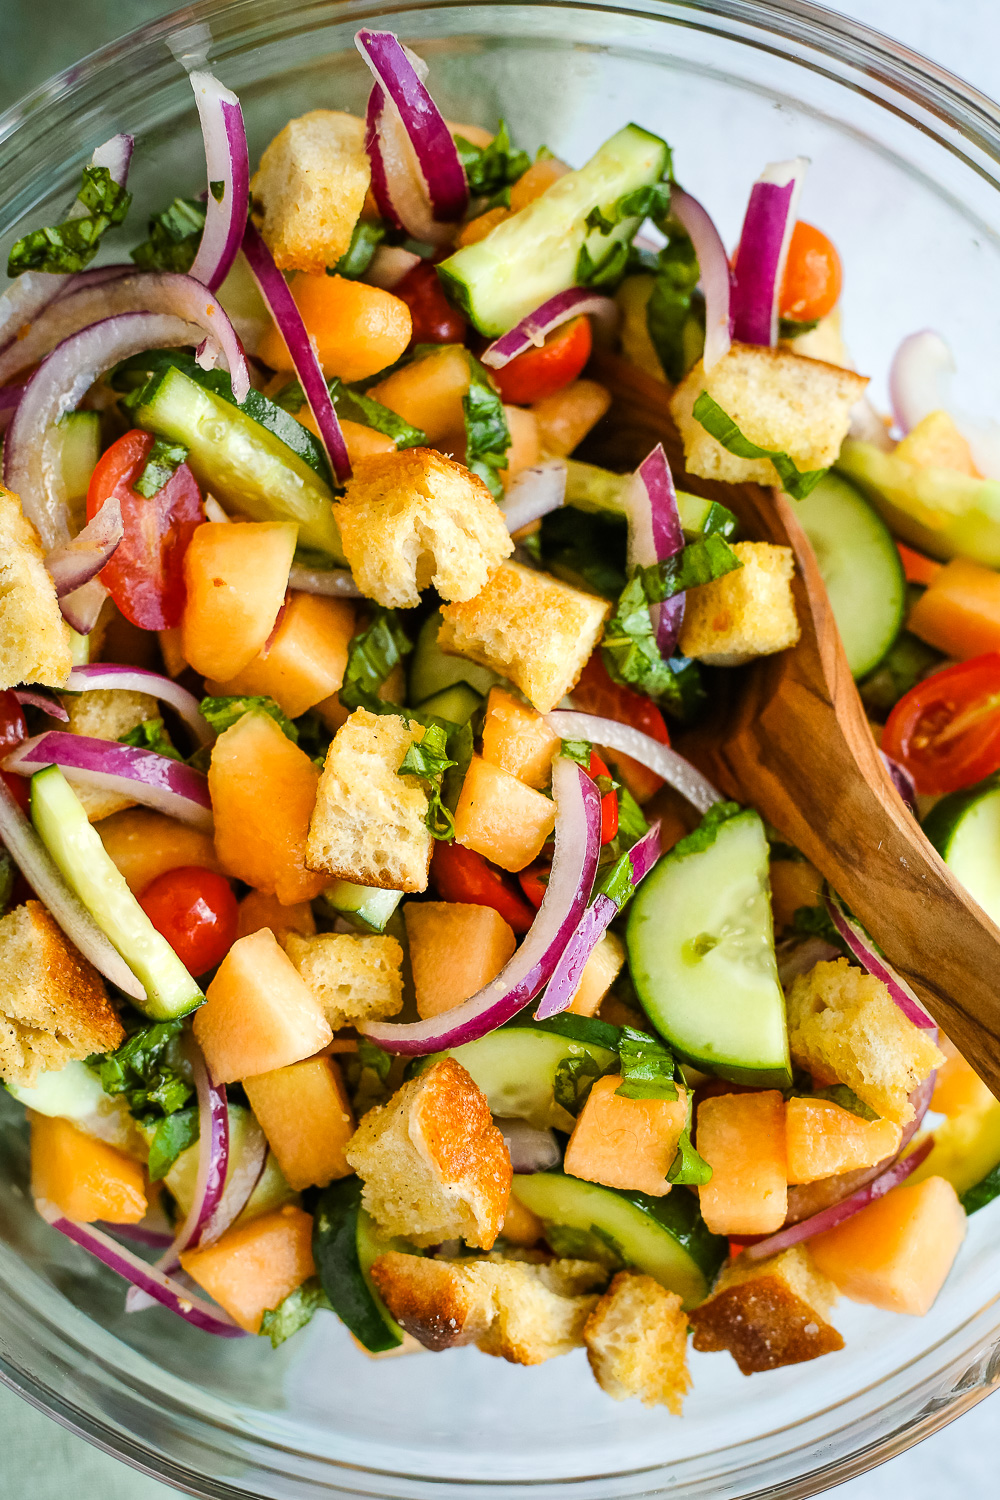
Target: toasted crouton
369	824
748	612
768	1313
34	637
414	518
311	186
353	978
529	627
541	1310
53	1009
778	400
636	1341
845	1028
434	1165
106	714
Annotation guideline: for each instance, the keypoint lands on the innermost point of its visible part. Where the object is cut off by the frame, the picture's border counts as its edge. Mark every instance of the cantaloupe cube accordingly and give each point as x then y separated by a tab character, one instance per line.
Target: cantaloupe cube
254	1268
263	791
897	1252
936	443
455	949
525	449
501	818
172	650
626	1143
517	739
823	1140
236	576
742	1137
145	844
303	661
599	974
259	1014
520	1225
958	1086
306	1115
428	393
258	909
85	1178
794	883
362	441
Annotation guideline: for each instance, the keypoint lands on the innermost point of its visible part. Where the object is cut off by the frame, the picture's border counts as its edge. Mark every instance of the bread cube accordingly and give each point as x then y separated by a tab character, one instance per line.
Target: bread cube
34	637
501	818
106	714
352	978
742	1137
455	949
530	627
305	1113
541	1310
415	518
626	1143
311	186
599	974
749	612
518	740
636	1341
768	1313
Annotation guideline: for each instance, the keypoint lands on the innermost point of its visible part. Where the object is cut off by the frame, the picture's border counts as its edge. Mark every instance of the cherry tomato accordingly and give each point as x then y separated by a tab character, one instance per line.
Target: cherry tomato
460	874
609	802
597	693
812	275
196	911
541	372
946	730
534	881
13	730
145	577
435	321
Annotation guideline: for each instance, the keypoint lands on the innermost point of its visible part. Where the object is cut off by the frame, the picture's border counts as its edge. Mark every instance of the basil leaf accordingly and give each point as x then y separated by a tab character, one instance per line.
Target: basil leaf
373	655
983	1192
632	824
223	713
497	165
147	1070
367	236
616	882
688	1167
357	407
297	1309
217	188
366	1072
647	1067
839	1093
607	272
696	564
649	202
815	921
593	1244
704	836
796	482
174	1134
574	1078
371	1055
487	436
164	460
72	245
150	735
788	328
583	548
632	656
8	877
672	303
428	760
579	751
174	237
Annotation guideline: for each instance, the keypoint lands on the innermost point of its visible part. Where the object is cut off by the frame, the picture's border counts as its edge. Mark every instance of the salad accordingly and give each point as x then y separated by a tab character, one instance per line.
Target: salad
366	946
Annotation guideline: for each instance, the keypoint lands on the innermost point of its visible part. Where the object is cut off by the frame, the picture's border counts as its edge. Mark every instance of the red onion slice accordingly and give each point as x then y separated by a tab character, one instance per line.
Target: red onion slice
48	705
108	674
759	264
716	278
228	162
389	265
242	1177
153	1239
666	763
861	945
654	534
10	396
574	865
534	493
155	780
902	781
77	562
533	330
81	609
531	1149
336	583
116	155
281	305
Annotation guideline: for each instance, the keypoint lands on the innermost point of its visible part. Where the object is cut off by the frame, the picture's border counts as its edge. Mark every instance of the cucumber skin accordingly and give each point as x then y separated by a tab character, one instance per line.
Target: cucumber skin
944	817
335	1251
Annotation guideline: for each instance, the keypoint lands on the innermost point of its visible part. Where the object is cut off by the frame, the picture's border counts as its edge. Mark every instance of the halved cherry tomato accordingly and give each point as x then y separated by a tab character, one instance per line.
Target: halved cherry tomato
435	321
541	372
196	911
812	275
609	802
145	577
597	693
13	730
534	881
946	730
460	874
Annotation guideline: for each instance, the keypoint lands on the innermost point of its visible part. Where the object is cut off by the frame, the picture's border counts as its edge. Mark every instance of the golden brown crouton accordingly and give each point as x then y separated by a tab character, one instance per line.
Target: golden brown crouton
106	714
541	1310
626	1143
415	518
768	1313
529	627
636	1341
53	1008
845	1028
778	400
311	186
369	824
434	1165
34	637
353	978
748	612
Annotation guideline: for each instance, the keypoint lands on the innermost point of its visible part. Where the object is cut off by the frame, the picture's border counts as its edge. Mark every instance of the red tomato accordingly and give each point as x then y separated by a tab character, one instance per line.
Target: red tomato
435	321
13	730
195	910
609	802
812	275
541	372
946	730
597	693
145	577
460	874
534	882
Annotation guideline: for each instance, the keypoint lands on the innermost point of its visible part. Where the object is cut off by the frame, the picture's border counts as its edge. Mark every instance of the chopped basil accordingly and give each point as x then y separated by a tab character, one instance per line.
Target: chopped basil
839	1093
428	760
579	751
632	824
616	882
583	548
687	1166
373	655
574	1078
173	1134
607	272
487	436
704	836
164	460
357	407
223	713
72	245
150	735
672	304
796	482
8	877
632	656
649	202
647	1067
788	328
498	165
593	1244
148	1070
174	237
696	564
368	235
297	1309
815	921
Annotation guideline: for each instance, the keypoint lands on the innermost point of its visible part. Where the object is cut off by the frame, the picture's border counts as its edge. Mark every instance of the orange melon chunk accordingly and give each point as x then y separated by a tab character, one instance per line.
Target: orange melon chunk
305	1113
362	442
455	949
742	1137
236	576
501	818
794	883
958	1086
897	1252
823	1140
599	974
85	1178
304	660
626	1143
259	1014
428	393
258	909
145	844
518	740
254	1268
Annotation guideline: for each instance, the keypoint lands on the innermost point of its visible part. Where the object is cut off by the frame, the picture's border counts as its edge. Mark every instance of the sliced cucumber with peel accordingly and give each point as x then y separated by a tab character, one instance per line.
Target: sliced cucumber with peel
964	828
367	906
345	1247
431	671
600	491
456	704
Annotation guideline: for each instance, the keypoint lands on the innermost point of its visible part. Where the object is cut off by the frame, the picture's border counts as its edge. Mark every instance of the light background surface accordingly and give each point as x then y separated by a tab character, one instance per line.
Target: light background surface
38	1460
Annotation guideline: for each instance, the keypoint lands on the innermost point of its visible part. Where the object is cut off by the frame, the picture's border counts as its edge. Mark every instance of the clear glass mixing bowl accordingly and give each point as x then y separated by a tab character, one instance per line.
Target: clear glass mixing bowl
904	176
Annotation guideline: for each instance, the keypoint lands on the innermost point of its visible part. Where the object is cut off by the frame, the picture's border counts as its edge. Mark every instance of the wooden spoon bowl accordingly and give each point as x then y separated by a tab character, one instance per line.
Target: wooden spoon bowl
790	736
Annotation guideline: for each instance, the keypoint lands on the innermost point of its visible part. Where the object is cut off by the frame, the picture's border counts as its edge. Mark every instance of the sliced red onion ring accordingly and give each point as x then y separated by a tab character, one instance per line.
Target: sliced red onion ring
65	907
716	278
241	1179
77	562
336	583
920	378
428	194
228	164
654	534
531	1149
861	945
153	1239
533	330
759	263
902	781
389	265
681	774
867	426
596	920
797	956
154	780
281	305
534	493
116	155
81	609
106	674
10	396
574	864
48	705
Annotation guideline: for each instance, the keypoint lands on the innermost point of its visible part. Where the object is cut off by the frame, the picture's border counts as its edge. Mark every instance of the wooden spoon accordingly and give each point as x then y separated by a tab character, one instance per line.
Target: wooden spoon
794	741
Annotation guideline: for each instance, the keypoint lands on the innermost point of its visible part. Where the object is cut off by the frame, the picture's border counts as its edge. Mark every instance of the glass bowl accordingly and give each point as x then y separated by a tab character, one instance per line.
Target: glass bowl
904	177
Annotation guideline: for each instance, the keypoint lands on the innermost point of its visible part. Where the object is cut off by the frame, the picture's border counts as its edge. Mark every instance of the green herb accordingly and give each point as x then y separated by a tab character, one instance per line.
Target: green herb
616	882
428	760
586	549
839	1093
788	328
672	304
487	436
374	653
688	1167
8	876
72	245
357	407
174	237
696	564
606	272
585	1244
632	822
366	1072
173	1134
704	836
314	737
983	1192
574	1078
647	1067
150	735
649	202
579	751
461	743
495	166
148	1070
815	921
797	482
162	464
223	713
900	670
279	1323
217	188
632	655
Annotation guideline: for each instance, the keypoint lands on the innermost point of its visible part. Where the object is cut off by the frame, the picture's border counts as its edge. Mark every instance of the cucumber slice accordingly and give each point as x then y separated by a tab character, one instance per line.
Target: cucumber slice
71	1093
599	491
664	1237
861	568
88	869
965	830
456	704
431	671
345	1246
700	941
239	460
535	254
75	444
370	907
